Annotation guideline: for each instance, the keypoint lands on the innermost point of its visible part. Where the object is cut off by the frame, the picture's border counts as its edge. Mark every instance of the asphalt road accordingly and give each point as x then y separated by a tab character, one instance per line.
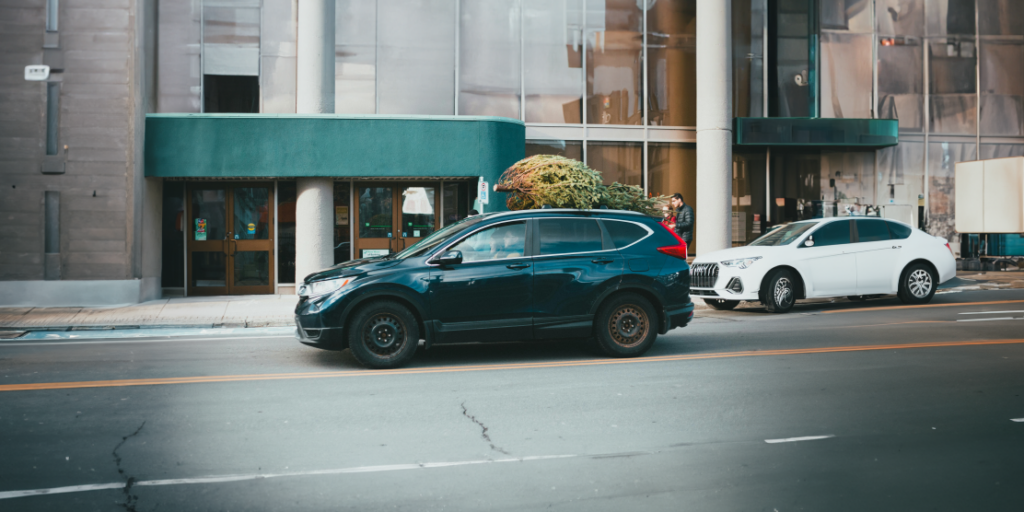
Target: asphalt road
844	406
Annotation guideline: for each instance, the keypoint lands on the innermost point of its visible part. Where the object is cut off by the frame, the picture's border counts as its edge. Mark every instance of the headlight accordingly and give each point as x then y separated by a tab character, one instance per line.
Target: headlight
318	288
741	263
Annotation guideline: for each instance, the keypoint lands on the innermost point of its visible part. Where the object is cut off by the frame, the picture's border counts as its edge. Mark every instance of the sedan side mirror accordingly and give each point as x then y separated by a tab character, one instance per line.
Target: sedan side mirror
809	242
449	258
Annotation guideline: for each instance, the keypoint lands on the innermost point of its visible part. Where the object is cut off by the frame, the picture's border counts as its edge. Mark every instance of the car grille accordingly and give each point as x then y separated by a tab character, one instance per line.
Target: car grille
703	275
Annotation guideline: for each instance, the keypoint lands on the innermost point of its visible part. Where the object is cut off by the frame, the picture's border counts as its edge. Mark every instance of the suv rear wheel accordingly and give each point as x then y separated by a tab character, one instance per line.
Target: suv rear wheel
917	284
383	334
626	326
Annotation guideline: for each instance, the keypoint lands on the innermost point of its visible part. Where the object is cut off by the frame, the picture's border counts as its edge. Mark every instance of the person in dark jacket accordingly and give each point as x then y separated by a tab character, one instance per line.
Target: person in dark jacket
684	218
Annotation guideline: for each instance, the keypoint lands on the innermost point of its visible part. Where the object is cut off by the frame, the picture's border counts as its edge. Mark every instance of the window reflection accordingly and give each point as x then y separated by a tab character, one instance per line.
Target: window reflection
900	17
617	161
1002	88
375	213
747	65
489	58
846	74
672	63
1000	17
950	17
567	148
416	56
953	100
901	81
417	212
942	159
553	60
355	57
614	46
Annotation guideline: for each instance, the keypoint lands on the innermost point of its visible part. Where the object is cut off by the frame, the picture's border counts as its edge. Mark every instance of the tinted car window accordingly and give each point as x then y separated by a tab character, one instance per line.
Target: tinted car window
871	230
785	234
833	233
899	231
561	236
624	233
495	243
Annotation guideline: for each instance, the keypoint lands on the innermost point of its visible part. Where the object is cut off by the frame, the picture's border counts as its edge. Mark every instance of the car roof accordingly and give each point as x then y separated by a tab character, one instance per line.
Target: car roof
562	212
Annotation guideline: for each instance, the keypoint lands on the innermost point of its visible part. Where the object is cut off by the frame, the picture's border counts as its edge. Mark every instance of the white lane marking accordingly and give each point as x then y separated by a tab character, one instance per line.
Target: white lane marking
988	319
992	312
45	343
1017	420
238	478
795	439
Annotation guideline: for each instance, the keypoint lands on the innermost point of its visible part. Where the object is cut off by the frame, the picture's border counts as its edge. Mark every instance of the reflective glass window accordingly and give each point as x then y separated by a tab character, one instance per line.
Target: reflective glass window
418	219
567	236
845	15
1002	87
951	83
748	197
209	215
376	218
949	17
870	230
286	232
671	63
620	162
499	242
416	56
624	233
901	81
489	58
942	159
209	269
673	169
1001	150
833	233
252	268
553	61
1000	17
900	17
567	148
790	94
614	62
846	75
342	226
355	54
898	231
747	65
900	175
251	213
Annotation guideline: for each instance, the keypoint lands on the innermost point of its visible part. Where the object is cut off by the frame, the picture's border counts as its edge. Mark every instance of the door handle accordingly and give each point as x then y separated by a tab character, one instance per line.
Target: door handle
518	266
601	262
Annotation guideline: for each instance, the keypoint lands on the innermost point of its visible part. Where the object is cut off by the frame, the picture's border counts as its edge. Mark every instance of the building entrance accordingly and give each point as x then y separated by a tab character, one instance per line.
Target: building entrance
392	216
230	240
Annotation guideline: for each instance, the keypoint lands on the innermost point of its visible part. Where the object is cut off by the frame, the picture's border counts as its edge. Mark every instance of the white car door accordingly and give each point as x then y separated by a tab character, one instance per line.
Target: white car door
876	254
831	271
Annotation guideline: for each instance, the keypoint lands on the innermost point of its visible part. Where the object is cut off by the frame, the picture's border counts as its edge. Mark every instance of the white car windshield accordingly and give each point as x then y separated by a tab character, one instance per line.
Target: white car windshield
786	234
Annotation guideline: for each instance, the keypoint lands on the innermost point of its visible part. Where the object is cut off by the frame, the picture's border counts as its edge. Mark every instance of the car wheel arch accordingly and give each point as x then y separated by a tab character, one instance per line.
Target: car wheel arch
647	294
925	261
388	294
801	285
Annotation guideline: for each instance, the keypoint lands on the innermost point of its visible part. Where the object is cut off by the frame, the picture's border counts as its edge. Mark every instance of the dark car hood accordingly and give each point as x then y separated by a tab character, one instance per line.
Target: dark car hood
352	268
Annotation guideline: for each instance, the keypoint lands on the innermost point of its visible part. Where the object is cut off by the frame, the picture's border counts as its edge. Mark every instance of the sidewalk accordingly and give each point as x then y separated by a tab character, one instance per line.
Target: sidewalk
277	310
198	312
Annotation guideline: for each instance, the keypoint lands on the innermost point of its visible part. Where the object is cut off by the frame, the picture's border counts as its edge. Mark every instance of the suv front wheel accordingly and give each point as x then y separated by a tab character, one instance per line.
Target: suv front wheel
626	326
383	334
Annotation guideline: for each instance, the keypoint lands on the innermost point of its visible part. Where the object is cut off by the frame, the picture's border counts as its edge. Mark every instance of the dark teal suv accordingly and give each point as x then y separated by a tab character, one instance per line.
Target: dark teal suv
617	278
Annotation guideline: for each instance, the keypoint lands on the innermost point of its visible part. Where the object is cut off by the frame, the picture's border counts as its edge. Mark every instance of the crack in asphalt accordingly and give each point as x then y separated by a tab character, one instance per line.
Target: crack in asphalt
483	428
131	500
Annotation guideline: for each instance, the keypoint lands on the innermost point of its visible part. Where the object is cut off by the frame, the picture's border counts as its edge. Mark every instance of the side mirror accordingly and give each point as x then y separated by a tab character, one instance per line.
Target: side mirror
449	258
809	242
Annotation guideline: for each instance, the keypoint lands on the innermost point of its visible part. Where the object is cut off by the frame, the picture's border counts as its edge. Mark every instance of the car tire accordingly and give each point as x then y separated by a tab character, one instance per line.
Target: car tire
626	326
383	334
722	304
917	284
780	294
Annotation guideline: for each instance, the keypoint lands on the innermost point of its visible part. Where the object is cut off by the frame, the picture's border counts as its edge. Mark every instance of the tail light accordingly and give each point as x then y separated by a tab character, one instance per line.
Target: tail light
676	251
950	249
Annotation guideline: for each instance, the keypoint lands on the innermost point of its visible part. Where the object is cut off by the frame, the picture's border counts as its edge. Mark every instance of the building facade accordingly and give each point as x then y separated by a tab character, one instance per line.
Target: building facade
168	151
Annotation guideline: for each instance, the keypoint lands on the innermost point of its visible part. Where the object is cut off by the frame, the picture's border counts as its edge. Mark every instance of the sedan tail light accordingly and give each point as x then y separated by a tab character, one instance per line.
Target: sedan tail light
676	251
950	249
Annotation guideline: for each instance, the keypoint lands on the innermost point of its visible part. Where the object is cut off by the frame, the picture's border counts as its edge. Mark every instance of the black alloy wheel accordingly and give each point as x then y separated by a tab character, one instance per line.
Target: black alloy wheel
917	284
722	304
626	326
780	294
383	334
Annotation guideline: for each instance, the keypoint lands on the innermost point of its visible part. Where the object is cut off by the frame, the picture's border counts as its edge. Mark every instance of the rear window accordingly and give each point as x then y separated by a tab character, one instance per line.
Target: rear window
899	231
624	233
869	230
833	233
563	236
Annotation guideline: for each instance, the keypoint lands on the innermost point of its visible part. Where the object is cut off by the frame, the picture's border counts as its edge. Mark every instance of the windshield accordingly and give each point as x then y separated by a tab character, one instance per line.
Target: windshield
437	238
786	234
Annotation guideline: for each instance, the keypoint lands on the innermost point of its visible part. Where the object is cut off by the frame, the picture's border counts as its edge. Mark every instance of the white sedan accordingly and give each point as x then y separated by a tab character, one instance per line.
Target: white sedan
854	257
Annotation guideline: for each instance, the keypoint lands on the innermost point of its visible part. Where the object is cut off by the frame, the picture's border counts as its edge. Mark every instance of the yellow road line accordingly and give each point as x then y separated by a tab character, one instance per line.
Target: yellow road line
886	308
488	367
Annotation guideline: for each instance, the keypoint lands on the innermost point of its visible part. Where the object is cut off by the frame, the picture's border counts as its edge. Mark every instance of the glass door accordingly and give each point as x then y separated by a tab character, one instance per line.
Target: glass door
230	242
391	217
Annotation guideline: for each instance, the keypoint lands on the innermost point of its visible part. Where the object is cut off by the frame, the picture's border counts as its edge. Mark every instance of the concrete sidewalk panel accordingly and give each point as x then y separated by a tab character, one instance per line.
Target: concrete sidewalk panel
145	313
261	312
192	312
12	317
49	317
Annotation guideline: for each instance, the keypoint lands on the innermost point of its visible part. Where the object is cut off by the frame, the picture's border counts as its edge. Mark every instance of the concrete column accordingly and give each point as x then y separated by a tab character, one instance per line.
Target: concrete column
714	126
314	84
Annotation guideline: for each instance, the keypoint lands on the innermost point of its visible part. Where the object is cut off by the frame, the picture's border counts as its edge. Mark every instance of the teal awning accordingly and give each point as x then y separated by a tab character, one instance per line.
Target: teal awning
282	145
805	131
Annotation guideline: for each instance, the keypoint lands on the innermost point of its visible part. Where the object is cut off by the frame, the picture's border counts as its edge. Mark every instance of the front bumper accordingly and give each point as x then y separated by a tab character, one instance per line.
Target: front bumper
309	330
724	288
